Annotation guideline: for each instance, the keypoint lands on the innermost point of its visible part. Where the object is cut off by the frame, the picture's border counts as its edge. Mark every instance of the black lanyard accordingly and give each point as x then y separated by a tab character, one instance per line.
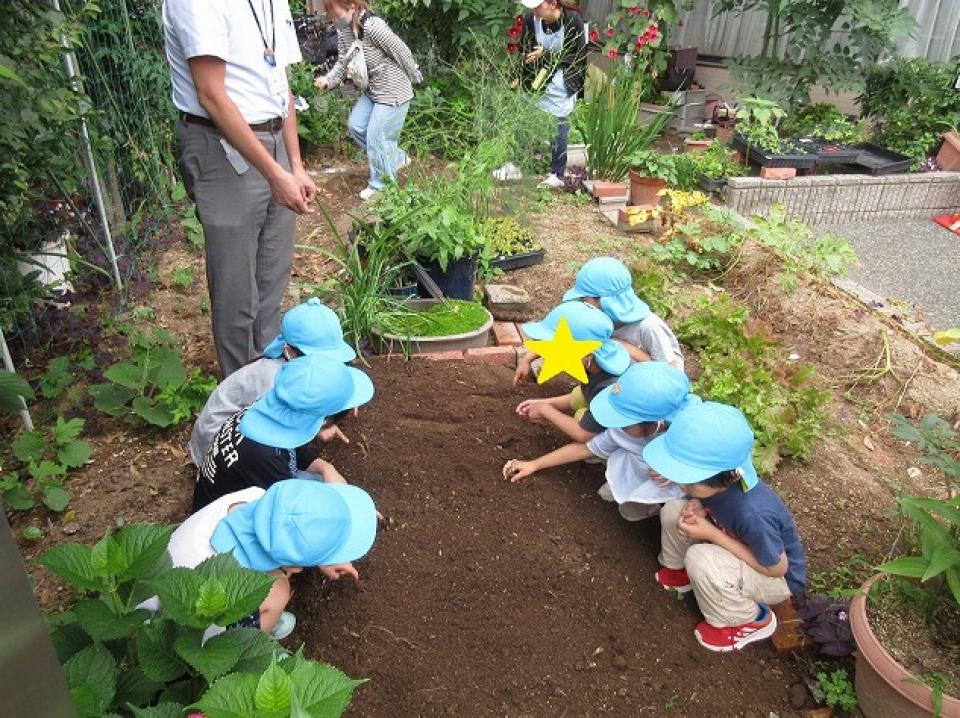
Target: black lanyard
268	55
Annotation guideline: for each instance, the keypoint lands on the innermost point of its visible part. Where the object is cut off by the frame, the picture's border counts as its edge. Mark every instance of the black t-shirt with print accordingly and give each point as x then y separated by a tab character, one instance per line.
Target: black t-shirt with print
595	384
235	462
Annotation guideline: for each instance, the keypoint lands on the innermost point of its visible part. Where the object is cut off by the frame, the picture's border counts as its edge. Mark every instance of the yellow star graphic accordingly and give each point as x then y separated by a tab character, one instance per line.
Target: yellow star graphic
563	353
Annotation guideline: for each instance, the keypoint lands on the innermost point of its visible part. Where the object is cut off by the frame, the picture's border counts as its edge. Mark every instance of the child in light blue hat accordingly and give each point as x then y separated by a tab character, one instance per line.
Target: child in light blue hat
308	328
732	540
282	530
268	441
606	282
603	367
633	410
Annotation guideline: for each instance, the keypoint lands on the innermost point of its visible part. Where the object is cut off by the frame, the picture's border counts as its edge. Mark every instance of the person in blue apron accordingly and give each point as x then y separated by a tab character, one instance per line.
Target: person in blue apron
553	43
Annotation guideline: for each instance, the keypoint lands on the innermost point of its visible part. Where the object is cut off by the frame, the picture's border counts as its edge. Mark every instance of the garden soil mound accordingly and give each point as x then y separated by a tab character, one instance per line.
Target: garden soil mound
483	597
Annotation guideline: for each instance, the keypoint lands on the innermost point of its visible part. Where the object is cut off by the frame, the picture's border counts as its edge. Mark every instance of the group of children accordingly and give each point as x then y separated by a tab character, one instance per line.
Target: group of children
264	494
724	533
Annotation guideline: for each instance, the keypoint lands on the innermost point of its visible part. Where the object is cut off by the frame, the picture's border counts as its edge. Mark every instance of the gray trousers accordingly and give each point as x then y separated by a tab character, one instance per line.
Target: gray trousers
248	240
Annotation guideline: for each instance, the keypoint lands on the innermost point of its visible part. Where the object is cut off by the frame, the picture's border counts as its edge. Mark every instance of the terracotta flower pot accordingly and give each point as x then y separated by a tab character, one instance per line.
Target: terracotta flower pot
696	146
884	687
949	155
643	190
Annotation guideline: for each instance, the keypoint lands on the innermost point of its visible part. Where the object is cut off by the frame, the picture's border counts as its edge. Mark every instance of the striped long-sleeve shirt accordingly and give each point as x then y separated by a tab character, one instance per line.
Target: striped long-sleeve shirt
391	69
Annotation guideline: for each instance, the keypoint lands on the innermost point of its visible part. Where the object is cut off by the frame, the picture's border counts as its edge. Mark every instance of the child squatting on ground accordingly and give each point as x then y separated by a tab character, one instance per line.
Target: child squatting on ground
603	367
291	526
606	283
633	410
268	441
732	540
308	329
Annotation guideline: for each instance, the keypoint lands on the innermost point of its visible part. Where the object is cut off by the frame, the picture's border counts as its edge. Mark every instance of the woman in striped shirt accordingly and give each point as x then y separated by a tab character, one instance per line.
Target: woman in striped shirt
377	118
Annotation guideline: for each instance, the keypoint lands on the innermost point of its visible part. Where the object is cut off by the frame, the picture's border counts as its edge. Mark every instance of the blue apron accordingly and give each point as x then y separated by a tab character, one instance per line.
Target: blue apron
555	100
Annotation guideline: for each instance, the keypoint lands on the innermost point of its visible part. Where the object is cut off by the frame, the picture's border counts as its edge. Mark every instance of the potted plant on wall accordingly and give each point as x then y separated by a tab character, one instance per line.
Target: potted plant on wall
757	136
906	620
715	165
650	172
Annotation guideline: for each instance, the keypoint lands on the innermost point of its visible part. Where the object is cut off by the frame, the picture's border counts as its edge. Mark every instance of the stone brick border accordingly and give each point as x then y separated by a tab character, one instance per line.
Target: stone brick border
848	198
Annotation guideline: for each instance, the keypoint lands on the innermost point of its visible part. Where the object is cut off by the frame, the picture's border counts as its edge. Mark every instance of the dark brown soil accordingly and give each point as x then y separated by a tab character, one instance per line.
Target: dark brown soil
487	598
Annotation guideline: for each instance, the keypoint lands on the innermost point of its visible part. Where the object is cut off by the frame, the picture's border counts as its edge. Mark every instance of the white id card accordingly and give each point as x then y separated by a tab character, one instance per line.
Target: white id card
235	159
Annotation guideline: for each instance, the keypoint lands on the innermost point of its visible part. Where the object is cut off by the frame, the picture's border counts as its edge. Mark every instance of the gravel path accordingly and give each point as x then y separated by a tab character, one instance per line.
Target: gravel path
914	261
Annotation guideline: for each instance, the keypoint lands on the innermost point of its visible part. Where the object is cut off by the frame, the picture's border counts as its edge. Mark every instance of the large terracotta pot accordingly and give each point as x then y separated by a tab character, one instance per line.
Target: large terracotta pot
949	156
643	190
884	687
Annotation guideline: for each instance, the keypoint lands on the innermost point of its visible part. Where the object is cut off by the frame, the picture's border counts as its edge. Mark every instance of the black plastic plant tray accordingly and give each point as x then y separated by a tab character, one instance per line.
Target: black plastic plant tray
518	261
709	184
827	152
767	159
875	160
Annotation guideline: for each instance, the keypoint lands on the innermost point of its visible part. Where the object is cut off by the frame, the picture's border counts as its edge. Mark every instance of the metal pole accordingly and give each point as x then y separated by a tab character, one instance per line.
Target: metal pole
71	71
8	364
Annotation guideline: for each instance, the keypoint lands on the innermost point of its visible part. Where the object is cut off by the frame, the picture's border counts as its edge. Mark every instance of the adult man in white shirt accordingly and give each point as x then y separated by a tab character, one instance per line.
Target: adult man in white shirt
240	159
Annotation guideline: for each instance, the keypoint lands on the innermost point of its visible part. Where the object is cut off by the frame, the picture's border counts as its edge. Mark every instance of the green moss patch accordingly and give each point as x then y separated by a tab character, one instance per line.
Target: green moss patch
455	316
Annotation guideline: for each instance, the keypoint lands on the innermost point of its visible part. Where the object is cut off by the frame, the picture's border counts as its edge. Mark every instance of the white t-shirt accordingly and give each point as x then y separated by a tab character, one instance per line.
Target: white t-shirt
189	545
627	473
237	391
227	29
655	338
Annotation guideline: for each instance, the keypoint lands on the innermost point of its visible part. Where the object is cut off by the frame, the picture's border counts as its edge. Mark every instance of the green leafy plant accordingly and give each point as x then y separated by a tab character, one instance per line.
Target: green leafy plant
757	120
14	391
911	102
120	660
453	316
807	43
153	386
323	123
657	165
836	690
608	123
937	442
505	236
802	252
48	455
447	30
742	366
824	121
701	245
183	277
716	163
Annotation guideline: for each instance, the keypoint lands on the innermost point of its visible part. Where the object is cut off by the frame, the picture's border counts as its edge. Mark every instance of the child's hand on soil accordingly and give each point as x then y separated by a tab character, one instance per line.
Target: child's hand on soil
516	469
523	408
333	432
335	570
522	373
696	528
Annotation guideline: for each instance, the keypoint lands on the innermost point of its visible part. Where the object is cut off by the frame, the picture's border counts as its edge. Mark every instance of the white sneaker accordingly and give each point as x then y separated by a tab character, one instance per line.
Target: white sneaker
553	182
406	162
368	192
632	511
508	172
284	626
605	493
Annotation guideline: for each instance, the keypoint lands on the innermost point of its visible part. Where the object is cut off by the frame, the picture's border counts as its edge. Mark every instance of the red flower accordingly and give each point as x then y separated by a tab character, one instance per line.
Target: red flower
612	54
513	33
594	35
639	45
610	32
512	48
633	10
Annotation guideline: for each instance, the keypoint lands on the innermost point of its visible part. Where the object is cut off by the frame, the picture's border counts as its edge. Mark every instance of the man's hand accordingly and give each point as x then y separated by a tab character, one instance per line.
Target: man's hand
335	570
287	192
332	432
321	83
308	190
533	55
514	470
697	528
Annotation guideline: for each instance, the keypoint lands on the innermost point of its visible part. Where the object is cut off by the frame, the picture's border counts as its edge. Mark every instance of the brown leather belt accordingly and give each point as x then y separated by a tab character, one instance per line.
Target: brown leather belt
273	125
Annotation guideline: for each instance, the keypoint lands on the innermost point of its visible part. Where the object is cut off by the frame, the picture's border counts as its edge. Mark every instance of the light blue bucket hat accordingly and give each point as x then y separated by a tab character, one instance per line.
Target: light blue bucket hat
305	391
299	522
585	322
702	441
646	391
313	328
608	279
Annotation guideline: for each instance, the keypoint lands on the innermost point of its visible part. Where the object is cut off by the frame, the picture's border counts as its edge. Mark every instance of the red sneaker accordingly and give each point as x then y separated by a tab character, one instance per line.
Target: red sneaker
733	638
673	579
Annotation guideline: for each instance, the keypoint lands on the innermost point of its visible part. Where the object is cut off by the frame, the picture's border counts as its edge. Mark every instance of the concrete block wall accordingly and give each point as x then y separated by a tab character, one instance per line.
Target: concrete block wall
848	198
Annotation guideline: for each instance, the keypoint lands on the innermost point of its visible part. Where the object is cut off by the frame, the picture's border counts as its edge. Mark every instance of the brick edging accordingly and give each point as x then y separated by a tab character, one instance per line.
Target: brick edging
506	351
